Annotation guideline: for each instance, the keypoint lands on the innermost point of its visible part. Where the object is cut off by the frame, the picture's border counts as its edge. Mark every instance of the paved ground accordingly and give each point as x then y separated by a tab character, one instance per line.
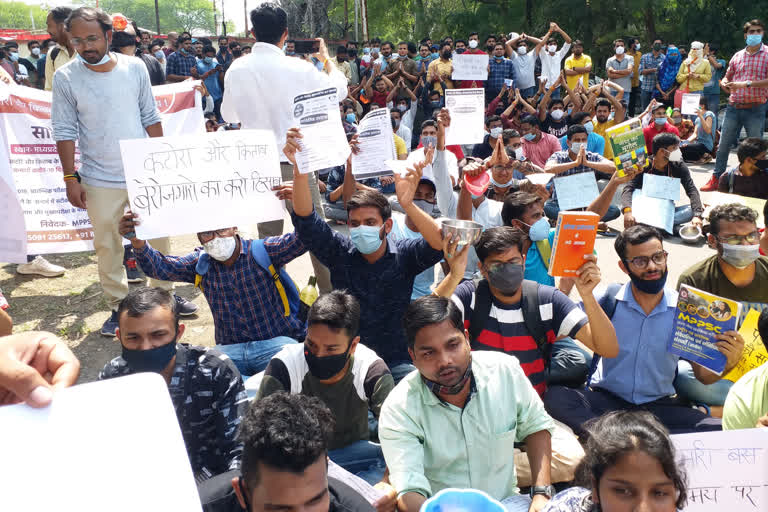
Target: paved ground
72	306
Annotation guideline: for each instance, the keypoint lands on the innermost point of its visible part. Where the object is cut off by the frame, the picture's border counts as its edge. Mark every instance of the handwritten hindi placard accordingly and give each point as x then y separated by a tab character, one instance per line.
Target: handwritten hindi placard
576	191
727	471
188	184
467	66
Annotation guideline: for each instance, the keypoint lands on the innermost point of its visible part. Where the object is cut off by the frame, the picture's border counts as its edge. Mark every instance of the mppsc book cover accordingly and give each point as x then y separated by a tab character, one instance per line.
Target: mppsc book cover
628	144
700	316
575	235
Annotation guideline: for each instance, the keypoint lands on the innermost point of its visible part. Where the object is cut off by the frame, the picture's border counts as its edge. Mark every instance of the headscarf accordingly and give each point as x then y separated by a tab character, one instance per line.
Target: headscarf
695	53
669	68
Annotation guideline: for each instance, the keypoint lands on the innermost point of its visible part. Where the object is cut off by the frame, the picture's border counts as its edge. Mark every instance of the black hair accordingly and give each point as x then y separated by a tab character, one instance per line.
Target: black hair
233	44
287	432
391	46
60	14
141	301
474	34
574	129
753	23
762	326
341	49
30	43
158	42
750	148
337	310
183	39
90	14
659	106
617	41
492	119
578	42
499	239
207	49
269	22
635	235
462	41
733	212
508	134
531	120
121	39
664	140
412	48
429	122
222	37
11	44
516	204
578	117
444	44
555	101
430	310
603	102
402	42
370	198
619	433
498	43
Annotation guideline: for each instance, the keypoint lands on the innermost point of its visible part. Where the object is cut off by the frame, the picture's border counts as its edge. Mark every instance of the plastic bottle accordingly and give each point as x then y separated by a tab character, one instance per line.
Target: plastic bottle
308	296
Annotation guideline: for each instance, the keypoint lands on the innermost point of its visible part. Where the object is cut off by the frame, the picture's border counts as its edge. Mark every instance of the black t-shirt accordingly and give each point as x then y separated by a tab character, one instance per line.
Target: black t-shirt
556	128
155	69
484	149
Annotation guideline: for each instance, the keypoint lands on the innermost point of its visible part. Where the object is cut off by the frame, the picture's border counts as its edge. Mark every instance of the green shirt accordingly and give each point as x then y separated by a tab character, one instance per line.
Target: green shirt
430	445
747	400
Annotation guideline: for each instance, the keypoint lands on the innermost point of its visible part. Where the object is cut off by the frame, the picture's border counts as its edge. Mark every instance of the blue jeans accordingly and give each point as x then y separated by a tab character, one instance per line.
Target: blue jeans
751	119
689	388
683	214
625	98
645	99
568	364
713	102
252	357
527	93
361	458
400	369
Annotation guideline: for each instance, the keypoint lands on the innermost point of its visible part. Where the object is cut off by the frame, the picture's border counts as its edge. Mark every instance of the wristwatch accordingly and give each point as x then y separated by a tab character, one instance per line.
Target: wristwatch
545	490
749	83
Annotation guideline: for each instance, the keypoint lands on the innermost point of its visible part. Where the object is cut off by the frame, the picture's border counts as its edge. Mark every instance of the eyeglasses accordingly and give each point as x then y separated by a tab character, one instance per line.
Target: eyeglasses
90	40
751	238
642	261
207	236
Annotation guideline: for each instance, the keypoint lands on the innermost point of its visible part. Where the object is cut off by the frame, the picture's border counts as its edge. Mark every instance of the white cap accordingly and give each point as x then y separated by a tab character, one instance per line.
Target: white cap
696	45
514	35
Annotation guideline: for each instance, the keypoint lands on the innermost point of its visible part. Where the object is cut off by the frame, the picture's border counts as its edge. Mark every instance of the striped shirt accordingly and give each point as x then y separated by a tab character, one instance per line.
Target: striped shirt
505	330
743	67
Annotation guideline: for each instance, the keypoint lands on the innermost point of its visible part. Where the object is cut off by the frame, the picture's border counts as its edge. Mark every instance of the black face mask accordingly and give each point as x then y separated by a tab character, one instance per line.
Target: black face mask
153	360
651	287
459	51
447	55
762	164
325	367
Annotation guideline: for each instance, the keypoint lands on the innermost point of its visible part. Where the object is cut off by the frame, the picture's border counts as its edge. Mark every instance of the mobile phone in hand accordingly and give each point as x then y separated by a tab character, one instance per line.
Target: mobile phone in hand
306	46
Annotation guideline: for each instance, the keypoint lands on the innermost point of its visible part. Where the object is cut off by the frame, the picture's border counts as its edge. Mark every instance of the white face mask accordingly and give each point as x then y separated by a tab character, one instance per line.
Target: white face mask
36	52
552	48
519	154
473	43
496	132
637	46
619	50
221	248
676	156
576	146
522	50
557	114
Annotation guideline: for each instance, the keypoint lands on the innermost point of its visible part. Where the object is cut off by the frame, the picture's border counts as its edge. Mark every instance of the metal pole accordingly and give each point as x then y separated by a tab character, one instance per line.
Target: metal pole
215	22
357	33
364	12
157	17
223	19
245	14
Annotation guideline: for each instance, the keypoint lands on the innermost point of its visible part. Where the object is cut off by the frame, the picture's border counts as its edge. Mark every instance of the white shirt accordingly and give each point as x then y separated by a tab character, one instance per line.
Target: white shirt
524	67
550	64
259	89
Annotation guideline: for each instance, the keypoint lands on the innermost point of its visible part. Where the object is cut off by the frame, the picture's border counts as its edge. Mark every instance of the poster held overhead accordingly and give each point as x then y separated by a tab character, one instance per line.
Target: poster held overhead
467	66
376	144
324	143
467	108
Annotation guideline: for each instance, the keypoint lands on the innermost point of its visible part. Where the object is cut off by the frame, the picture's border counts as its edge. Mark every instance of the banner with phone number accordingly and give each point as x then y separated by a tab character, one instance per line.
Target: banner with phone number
30	166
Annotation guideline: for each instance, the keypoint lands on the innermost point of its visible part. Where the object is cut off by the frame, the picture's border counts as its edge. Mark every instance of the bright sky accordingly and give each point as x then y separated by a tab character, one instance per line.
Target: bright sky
233	9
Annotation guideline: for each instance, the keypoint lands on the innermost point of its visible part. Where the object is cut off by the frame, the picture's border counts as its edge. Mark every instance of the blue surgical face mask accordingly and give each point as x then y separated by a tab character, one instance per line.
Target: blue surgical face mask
152	360
351	118
435	104
576	146
14	56
589	126
502	185
159	55
103	60
754	39
428	140
366	50
496	132
539	230
434	55
529	137
402	108
661	121
367	239
208	60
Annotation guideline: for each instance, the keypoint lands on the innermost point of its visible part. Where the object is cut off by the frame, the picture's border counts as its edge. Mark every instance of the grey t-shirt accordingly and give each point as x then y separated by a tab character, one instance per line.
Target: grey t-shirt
99	110
618	65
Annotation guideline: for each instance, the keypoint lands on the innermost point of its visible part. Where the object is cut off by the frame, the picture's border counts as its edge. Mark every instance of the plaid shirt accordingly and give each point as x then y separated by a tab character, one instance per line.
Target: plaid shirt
648	61
209	398
563	157
178	64
498	72
743	67
244	300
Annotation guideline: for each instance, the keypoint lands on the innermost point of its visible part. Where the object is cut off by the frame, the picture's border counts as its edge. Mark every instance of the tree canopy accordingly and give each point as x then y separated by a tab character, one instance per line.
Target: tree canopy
22	16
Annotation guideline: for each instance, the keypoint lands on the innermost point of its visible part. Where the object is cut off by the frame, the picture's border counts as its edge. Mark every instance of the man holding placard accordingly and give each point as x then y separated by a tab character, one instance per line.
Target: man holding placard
661	179
123	108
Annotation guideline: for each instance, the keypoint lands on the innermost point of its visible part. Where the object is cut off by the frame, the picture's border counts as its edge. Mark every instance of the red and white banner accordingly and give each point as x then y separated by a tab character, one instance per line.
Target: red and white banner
33	197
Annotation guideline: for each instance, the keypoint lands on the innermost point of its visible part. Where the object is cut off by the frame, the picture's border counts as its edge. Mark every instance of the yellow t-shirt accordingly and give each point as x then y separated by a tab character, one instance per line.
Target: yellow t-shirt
443	68
50	66
636	74
572	62
600	129
400	148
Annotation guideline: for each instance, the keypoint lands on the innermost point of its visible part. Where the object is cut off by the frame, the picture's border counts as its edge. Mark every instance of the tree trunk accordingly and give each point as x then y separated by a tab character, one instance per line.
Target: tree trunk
529	16
650	21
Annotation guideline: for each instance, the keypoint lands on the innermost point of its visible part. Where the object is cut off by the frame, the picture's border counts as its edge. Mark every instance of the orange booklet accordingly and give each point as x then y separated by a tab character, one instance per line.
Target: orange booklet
574	237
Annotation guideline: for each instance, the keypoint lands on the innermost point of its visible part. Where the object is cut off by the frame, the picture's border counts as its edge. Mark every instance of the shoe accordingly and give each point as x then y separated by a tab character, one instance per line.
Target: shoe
110	326
711	185
132	271
184	307
41	267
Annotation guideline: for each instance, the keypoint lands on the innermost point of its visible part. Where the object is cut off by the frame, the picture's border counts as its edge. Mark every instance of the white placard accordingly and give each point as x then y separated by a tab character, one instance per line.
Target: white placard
539	178
377	145
662	187
467	108
361	487
189	184
576	191
727	471
469	66
653	211
114	442
324	143
689	105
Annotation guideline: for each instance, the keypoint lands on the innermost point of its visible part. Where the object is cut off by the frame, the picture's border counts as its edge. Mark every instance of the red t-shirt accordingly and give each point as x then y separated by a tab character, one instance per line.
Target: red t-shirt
650	131
379	98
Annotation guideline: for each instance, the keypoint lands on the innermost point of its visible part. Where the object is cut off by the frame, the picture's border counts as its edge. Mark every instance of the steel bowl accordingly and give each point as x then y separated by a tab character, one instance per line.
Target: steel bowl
690	234
467	231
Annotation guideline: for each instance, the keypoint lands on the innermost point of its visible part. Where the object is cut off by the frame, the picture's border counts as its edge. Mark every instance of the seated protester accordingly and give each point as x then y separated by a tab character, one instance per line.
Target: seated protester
749	178
485	149
377	271
401	150
253	318
747	403
659	125
285	467
205	387
577	160
641	376
346	375
453	402
666	160
552	115
736	272
595	142
538	146
406	108
701	144
630	464
402	131
377	87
